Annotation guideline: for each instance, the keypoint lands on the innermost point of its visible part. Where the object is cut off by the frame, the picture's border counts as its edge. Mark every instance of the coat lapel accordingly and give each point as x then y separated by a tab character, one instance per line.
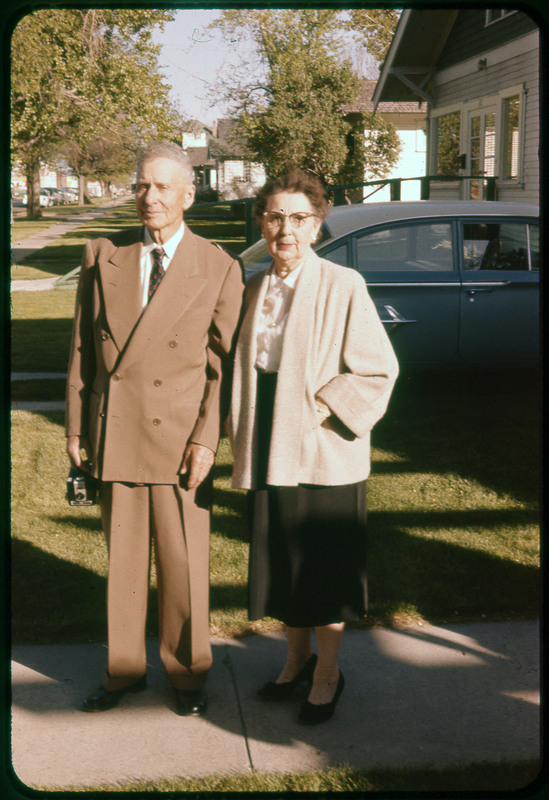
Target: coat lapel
120	282
293	375
180	287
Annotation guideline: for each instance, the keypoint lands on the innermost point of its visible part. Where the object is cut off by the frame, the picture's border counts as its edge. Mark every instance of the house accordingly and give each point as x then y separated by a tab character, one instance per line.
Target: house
477	69
221	160
195	139
409	119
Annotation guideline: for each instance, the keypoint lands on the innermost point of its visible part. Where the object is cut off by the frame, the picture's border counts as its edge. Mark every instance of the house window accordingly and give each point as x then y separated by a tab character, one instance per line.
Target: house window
447	136
510	136
495	14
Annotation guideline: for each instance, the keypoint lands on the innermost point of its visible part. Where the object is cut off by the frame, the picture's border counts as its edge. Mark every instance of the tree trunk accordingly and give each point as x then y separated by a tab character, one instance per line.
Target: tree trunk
34	208
82	187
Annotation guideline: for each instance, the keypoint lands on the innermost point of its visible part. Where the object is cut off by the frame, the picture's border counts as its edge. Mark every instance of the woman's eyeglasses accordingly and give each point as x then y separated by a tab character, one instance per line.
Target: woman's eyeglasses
275	220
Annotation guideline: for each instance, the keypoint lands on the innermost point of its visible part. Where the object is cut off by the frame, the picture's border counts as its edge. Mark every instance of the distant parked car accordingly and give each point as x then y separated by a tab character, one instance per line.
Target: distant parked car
45	198
70	195
55	194
454	283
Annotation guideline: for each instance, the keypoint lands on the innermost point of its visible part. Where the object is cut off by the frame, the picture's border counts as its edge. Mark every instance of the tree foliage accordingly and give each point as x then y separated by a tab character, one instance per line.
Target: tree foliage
374	148
291	112
82	79
376	28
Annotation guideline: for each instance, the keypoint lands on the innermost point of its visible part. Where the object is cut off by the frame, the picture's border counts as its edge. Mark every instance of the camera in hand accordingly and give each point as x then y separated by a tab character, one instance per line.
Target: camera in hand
81	488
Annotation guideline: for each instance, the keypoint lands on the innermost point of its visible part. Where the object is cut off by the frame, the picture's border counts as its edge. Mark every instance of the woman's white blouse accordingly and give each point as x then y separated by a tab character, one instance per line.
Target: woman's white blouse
274	315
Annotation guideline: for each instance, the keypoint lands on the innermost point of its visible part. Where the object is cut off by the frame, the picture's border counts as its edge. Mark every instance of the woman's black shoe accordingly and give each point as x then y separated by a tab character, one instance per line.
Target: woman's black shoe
282	691
311	714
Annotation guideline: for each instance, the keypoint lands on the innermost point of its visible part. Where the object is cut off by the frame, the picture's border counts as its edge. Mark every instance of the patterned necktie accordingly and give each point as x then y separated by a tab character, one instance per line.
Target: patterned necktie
157	272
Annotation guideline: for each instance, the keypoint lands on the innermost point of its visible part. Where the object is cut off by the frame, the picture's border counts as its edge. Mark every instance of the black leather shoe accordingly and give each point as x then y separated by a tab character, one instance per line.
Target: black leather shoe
103	699
282	691
191	703
311	714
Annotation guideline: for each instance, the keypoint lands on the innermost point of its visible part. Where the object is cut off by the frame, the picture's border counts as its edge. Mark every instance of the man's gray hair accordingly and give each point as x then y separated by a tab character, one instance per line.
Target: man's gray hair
165	150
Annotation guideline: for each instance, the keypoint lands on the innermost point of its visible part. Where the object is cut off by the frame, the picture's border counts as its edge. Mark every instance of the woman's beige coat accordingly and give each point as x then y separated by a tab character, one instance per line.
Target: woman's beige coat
334	349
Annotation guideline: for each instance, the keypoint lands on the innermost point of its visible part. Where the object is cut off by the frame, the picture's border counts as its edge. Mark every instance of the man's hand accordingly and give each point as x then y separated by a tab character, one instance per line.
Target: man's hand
197	462
74	445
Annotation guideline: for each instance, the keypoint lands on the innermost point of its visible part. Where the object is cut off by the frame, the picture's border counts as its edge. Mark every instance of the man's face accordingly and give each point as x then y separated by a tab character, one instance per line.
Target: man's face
162	195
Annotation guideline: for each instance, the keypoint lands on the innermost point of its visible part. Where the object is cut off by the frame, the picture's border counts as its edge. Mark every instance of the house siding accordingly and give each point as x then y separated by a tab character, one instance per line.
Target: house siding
471	36
520	70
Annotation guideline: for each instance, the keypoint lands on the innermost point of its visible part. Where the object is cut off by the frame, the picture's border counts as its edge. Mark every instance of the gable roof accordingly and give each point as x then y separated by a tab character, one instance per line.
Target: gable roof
365	104
417	43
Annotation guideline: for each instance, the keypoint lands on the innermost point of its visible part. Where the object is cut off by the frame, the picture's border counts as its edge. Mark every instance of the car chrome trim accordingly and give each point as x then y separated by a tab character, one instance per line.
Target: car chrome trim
396	318
476	284
413	283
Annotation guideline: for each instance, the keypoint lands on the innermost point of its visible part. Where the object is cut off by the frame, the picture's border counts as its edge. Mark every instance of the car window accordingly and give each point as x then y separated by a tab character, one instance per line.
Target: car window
337	254
418	246
500	245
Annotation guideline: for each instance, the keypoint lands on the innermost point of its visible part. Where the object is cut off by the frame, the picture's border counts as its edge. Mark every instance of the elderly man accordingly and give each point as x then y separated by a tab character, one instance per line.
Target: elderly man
156	313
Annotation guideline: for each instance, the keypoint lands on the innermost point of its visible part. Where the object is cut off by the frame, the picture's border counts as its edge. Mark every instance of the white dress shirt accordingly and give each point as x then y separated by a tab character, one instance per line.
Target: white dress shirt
274	316
147	247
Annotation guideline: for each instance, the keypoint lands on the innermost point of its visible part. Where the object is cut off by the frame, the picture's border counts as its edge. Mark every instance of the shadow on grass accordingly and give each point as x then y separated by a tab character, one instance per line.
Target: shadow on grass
444	581
53	600
40	344
482	425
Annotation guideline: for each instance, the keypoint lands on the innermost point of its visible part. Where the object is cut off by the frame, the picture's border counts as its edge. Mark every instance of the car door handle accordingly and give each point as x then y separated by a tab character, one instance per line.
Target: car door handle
396	319
472	291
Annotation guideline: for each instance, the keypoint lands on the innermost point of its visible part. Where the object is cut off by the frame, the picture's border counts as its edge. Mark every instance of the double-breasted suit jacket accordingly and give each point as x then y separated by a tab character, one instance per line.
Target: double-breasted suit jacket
142	383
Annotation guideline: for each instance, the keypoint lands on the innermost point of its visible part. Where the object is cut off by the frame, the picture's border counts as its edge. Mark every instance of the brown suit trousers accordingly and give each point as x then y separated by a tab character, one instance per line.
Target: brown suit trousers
178	523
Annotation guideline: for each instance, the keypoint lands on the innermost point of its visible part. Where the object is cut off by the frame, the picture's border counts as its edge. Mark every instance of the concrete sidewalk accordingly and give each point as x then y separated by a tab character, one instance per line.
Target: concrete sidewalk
419	696
22	248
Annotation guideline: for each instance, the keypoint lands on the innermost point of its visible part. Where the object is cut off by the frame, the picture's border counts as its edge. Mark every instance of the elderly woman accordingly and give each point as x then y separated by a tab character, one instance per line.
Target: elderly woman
313	373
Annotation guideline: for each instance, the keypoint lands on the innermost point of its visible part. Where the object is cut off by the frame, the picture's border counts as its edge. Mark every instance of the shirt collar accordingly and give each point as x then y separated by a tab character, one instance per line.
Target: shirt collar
290	280
169	247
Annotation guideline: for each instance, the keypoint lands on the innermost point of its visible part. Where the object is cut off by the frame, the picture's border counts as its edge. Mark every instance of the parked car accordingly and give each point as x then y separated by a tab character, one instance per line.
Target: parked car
55	194
454	283
69	195
45	198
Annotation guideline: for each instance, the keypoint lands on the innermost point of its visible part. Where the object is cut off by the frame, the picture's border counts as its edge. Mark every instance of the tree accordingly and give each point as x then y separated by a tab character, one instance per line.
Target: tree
291	113
375	27
374	148
80	76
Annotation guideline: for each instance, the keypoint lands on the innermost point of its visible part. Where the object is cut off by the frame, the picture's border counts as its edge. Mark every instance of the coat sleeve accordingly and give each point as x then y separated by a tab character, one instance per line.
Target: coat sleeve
82	366
221	342
359	395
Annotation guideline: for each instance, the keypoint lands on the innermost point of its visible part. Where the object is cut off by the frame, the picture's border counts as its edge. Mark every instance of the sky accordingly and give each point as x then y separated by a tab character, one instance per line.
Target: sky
191	58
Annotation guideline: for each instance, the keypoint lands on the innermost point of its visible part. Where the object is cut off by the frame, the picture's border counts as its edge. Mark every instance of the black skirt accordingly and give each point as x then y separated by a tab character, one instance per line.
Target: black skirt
308	543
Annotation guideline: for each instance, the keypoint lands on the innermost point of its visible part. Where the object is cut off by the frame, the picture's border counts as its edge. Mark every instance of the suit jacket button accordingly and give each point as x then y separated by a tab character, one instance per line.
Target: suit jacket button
157	421
173	343
158	382
116	377
104	337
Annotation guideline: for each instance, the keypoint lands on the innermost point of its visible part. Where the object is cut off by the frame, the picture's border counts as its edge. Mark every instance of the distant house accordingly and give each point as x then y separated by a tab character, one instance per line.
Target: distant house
221	160
477	69
409	119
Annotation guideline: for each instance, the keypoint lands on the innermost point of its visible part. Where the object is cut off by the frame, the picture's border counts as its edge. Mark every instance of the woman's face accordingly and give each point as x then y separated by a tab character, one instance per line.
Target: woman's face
289	239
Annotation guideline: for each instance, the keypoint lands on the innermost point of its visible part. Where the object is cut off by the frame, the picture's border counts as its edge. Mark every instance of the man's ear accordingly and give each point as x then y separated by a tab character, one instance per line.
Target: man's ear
188	199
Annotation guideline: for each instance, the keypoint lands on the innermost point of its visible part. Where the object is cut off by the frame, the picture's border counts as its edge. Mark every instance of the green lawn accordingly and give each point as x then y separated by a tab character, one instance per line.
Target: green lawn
453	517
475	778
